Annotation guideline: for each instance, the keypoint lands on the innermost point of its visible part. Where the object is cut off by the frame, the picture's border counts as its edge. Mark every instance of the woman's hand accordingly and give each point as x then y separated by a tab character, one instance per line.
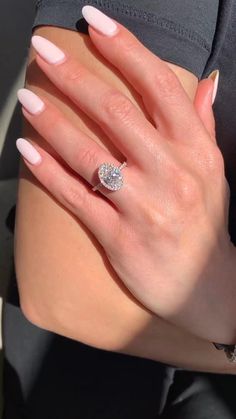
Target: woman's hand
165	231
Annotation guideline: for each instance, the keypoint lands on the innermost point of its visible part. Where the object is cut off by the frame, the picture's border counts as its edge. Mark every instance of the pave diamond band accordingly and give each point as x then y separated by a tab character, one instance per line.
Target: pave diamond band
110	176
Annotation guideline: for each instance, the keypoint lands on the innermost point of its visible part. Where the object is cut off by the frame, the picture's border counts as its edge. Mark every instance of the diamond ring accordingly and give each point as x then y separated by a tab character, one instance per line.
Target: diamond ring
110	176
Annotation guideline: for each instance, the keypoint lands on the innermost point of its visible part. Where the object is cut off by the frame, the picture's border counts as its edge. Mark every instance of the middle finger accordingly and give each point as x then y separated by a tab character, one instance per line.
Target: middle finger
114	112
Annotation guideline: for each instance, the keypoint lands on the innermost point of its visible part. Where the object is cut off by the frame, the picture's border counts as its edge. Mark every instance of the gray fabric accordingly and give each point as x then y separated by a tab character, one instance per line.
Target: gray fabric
51	377
180	31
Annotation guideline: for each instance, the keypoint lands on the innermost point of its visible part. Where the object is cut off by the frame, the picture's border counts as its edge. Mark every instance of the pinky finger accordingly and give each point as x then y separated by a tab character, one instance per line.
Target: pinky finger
95	212
203	104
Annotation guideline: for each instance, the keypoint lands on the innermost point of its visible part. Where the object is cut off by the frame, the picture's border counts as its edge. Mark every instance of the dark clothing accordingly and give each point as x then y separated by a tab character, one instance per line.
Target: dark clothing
59	378
51	377
180	31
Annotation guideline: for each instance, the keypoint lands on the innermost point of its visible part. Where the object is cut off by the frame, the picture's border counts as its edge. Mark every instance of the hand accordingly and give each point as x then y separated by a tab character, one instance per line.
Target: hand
151	225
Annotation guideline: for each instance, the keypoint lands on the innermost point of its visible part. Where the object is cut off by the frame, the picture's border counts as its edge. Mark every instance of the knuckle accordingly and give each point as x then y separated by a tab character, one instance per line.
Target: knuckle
57	121
74	197
73	72
167	83
211	161
215	161
117	105
150	215
158	224
130	45
88	157
187	189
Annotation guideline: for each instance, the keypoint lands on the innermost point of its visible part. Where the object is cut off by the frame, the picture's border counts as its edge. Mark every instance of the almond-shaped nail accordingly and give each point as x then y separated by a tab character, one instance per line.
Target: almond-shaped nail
99	21
28	151
31	102
47	50
215	77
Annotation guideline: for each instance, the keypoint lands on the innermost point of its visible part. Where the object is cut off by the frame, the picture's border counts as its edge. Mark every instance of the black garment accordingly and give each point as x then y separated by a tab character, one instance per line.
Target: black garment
60	378
51	377
174	30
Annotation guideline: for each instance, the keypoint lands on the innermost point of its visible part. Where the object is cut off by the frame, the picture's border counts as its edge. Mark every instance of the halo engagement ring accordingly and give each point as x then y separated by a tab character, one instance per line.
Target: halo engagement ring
110	176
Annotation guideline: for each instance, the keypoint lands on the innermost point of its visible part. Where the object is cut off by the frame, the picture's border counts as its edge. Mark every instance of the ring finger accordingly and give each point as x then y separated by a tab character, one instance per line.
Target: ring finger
81	153
96	213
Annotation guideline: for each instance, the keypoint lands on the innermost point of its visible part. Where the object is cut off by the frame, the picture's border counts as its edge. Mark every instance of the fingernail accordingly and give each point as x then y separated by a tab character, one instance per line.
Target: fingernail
31	102
47	50
99	21
28	151
215	77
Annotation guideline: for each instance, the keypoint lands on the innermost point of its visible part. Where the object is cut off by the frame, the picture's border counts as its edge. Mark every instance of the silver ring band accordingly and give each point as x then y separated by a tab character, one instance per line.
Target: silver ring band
110	176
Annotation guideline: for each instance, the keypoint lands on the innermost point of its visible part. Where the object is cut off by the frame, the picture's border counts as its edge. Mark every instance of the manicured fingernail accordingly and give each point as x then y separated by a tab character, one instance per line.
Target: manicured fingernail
28	151
31	102
47	50
215	77
99	21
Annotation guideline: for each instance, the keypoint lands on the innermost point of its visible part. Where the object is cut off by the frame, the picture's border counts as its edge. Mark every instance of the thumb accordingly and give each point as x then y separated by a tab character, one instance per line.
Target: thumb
204	99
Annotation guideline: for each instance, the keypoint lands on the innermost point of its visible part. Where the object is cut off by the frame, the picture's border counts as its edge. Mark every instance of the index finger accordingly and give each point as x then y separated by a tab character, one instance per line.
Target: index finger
162	92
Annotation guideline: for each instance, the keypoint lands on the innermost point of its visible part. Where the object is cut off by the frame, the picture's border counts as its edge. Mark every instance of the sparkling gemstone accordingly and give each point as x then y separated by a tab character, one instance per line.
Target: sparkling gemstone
110	176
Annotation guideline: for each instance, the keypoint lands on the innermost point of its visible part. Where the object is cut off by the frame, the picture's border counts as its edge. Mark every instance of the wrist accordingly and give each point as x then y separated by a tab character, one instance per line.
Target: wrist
225	314
220	321
209	309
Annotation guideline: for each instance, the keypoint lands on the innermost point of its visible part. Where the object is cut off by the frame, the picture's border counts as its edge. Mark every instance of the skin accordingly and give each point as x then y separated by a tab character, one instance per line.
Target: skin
53	295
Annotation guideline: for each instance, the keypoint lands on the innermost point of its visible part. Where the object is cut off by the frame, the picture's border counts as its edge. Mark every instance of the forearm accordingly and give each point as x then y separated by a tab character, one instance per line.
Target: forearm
166	343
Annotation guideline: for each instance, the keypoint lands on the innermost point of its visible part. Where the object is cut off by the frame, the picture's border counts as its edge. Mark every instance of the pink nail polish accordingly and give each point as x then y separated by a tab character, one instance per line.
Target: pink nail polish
28	151
47	50
215	77
31	102
99	21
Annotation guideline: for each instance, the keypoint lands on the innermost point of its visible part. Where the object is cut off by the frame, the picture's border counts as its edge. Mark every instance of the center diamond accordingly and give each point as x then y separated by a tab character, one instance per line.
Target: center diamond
110	176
